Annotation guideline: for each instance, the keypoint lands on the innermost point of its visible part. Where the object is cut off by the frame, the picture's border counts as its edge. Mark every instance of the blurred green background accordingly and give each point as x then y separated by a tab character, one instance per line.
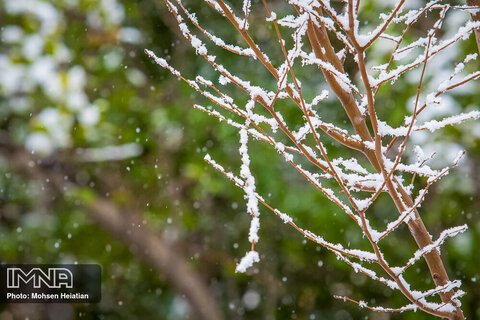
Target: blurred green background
74	80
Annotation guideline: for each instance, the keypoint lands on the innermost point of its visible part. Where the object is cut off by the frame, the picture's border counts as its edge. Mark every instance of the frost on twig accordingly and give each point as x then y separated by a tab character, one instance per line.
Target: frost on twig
376	167
247	261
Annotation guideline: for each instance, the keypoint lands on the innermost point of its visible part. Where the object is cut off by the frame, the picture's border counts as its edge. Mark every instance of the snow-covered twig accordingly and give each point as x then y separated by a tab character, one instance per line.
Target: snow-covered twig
370	169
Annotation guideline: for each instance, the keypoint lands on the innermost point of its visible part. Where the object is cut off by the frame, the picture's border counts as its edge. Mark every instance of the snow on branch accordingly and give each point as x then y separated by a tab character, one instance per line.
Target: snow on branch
452	232
247	261
249	187
374	164
363	304
337	248
409	213
432	125
462	34
216	40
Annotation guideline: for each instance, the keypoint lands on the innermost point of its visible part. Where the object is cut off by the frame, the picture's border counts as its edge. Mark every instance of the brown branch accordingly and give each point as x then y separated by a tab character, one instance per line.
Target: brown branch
324	51
157	253
305	112
417	228
320	42
400	197
352	143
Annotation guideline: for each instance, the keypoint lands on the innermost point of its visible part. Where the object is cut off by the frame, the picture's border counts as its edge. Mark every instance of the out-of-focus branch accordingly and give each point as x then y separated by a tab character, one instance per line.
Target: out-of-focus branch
476	17
159	254
127	229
